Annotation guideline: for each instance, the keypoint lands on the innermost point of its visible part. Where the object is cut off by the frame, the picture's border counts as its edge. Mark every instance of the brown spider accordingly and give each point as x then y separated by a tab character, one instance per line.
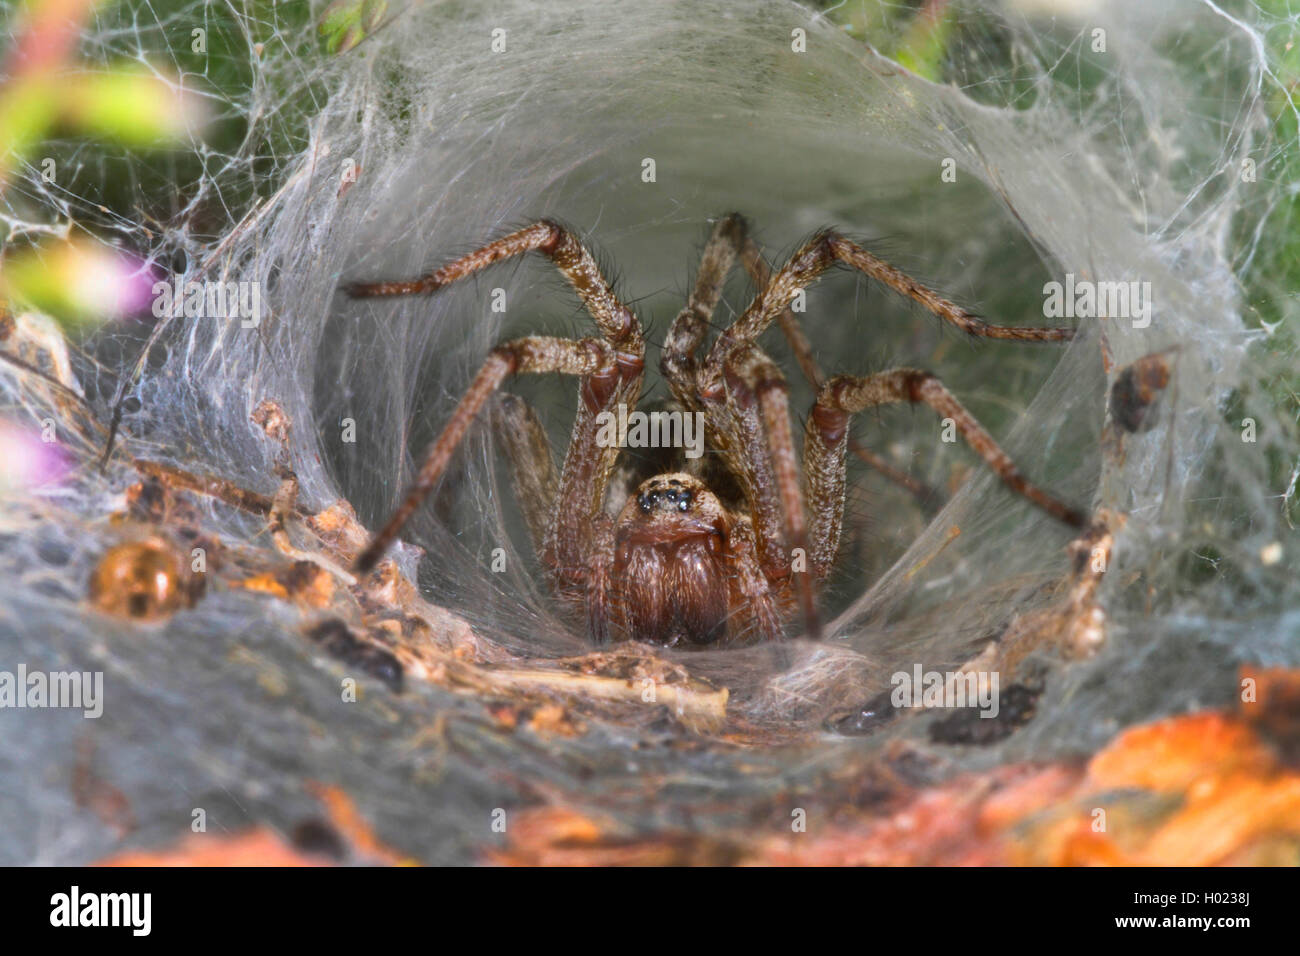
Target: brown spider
725	552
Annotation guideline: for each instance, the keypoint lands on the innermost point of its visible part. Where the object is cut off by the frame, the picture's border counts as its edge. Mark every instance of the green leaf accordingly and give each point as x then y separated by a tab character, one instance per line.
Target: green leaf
345	23
128	104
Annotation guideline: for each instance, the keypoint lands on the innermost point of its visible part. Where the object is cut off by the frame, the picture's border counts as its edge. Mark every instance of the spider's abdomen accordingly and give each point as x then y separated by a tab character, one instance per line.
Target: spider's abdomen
671	565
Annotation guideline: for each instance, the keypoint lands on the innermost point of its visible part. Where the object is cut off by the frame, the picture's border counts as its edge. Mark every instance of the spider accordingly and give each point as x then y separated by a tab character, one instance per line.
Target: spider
723	552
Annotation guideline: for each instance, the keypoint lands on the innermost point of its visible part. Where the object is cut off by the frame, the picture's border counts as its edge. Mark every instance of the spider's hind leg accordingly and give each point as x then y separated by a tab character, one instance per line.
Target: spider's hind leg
532	464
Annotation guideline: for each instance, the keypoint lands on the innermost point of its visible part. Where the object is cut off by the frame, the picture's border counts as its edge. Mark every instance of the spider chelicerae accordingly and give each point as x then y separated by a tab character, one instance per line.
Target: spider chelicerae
727	550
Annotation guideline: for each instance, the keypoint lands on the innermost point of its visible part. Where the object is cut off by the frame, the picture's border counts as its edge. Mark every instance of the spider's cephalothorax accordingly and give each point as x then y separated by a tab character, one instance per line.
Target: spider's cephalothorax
685	561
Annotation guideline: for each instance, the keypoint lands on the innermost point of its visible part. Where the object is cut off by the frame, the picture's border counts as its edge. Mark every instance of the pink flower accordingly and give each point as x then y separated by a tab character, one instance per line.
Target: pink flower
80	281
119	284
27	460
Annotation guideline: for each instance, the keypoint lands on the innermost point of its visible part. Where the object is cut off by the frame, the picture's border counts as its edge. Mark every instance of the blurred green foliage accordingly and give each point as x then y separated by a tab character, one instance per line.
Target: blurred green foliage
129	181
345	23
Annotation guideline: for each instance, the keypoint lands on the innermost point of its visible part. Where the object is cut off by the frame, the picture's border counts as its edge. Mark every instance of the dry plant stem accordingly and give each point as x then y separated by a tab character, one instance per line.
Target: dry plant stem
702	708
60	390
283	506
1075	623
952	535
218	488
1093	552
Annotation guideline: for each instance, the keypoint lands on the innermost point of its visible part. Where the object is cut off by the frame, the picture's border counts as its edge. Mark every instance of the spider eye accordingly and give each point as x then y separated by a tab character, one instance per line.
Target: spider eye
665	498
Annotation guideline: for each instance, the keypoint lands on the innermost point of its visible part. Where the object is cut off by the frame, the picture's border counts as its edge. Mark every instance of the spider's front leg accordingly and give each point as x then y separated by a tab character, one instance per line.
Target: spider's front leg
750	417
718	376
814	258
753	585
678	361
584	357
826	443
564	514
536	485
747	414
615	320
752	259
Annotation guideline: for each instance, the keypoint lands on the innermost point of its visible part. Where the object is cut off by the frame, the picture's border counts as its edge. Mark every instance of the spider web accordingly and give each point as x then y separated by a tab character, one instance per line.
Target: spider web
1121	163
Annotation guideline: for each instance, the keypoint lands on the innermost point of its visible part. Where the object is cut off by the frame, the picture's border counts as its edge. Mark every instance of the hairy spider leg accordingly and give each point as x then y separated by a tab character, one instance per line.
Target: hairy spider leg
829	248
715	375
610	371
760	274
825	445
532	465
748	420
537	355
